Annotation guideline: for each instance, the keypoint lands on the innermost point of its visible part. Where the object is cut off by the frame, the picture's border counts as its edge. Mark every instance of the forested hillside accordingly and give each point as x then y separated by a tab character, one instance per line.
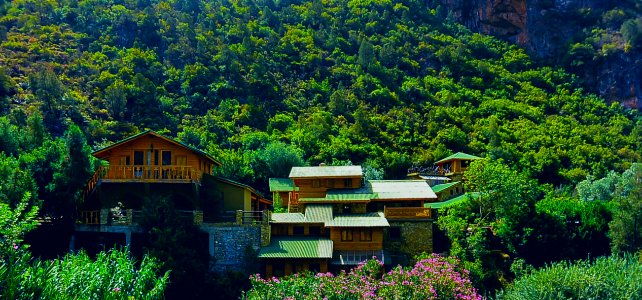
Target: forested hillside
380	83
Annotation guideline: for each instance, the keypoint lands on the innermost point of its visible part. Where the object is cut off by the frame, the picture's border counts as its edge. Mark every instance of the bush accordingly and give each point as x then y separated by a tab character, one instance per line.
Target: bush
607	278
434	277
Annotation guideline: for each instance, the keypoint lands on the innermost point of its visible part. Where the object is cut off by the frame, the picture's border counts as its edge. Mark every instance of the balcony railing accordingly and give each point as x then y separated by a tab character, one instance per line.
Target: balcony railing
179	173
114	217
407	213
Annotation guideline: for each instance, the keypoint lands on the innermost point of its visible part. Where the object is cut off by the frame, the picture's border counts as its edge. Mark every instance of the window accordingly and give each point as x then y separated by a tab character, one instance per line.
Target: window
314	267
139	157
346	235
465	163
298	230
167	158
347	182
316	183
315	230
366	235
394	233
124	160
329	183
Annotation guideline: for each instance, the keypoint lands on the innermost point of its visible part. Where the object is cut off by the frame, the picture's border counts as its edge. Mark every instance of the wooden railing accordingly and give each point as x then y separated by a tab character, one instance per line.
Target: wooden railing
90	217
407	213
91	184
150	173
116	216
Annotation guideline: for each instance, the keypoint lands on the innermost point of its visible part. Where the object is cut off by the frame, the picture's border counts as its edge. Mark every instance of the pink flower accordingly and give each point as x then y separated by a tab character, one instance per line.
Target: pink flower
116	289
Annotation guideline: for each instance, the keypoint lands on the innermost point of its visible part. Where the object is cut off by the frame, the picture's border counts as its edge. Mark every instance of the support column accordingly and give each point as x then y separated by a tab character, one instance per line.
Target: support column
128	238
72	243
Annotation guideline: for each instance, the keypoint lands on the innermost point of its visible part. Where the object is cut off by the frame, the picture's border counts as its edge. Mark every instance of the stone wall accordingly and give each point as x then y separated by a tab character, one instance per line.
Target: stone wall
229	245
416	236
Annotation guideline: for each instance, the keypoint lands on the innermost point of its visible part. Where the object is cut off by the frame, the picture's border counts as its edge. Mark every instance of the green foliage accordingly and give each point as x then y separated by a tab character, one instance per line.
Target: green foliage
625	229
499	219
112	275
393	84
432	277
605	278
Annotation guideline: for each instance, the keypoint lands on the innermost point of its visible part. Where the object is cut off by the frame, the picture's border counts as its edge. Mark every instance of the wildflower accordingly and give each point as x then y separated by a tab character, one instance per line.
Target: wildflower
116	290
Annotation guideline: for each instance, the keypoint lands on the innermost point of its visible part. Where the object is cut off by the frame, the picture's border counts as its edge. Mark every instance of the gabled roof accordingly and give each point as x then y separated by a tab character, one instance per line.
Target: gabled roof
458	155
440	187
284	218
452	201
282	185
349	195
314	213
326	171
359	220
297	247
318	212
241	185
400	189
98	152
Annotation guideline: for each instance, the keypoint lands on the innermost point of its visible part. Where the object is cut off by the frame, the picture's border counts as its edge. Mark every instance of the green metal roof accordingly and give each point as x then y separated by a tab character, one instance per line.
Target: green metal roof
359	220
318	212
400	189
133	137
297	247
326	171
440	187
243	185
457	199
282	185
458	155
288	218
350	195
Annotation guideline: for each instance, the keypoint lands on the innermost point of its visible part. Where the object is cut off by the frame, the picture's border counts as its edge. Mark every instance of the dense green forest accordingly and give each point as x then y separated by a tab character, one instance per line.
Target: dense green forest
265	84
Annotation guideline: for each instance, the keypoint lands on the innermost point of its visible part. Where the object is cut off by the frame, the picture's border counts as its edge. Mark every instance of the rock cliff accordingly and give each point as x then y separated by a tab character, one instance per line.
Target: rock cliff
550	29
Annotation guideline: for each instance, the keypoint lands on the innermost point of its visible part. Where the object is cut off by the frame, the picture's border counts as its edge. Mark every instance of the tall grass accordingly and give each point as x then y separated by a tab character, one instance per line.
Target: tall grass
611	277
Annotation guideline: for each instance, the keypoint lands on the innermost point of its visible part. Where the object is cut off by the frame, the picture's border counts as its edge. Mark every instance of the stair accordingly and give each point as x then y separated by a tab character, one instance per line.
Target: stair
93	183
293	207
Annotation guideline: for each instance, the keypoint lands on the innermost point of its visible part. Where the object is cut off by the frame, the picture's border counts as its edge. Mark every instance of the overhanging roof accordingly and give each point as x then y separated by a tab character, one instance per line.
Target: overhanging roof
326	171
440	187
359	220
282	185
241	185
297	247
318	212
98	153
452	201
460	156
400	189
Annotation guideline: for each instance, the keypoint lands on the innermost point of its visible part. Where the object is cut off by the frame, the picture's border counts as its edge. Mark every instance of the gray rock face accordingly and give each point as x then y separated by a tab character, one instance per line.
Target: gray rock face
546	29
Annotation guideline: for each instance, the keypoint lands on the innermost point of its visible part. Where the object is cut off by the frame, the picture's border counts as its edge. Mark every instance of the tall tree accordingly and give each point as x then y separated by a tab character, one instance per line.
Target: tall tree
625	229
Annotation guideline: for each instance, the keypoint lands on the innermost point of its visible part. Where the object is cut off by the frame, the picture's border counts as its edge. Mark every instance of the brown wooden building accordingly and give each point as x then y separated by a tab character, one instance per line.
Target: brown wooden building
331	209
143	169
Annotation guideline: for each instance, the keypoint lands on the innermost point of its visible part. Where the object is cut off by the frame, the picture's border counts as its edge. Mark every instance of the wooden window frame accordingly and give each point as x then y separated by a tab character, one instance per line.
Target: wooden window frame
347	182
346	235
316	183
366	235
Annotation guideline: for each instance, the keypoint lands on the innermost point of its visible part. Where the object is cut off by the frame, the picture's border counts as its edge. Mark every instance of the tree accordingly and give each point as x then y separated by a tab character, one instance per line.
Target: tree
68	184
50	91
625	229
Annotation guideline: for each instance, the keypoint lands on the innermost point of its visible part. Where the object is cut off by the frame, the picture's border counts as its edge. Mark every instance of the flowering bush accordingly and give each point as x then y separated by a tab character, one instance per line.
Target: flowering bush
433	277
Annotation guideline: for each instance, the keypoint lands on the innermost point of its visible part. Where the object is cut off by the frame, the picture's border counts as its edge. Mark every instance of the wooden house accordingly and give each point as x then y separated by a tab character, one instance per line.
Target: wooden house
335	219
455	165
147	168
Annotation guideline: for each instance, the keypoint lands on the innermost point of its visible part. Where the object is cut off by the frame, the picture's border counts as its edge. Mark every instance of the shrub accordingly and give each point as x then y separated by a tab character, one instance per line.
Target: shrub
434	277
606	278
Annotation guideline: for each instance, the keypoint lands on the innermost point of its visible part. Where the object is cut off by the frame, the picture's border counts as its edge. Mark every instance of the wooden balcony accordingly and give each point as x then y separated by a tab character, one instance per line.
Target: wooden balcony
127	217
407	213
149	173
